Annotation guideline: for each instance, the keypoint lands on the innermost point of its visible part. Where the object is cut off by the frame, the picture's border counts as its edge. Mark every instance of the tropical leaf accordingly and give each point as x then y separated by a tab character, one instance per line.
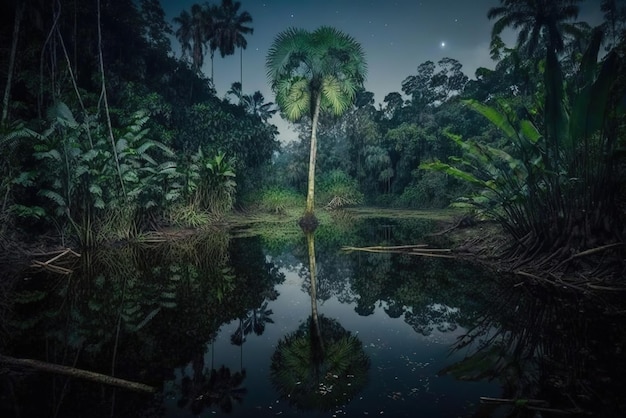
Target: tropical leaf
62	114
590	106
52	154
454	172
496	118
54	197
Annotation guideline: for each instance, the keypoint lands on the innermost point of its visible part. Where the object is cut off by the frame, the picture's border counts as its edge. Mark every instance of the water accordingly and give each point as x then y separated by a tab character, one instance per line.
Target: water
221	326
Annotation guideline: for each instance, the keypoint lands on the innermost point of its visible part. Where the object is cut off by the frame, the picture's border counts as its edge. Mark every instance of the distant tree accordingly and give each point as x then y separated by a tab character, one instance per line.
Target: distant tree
230	30
189	36
614	19
536	21
313	72
19	13
542	21
253	103
156	28
449	81
393	104
419	86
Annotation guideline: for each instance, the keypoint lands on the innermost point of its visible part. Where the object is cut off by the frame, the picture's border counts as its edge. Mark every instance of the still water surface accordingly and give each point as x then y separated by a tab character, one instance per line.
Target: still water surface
224	326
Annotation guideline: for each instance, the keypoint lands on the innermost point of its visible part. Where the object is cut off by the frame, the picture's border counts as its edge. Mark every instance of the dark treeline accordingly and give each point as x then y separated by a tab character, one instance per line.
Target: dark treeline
105	133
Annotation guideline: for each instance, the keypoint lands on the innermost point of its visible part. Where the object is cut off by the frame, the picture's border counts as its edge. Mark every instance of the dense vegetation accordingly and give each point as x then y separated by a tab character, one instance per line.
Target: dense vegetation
106	134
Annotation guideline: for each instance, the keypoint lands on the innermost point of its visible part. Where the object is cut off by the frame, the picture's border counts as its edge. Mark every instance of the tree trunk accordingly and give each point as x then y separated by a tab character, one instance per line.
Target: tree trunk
310	239
310	196
19	12
77	373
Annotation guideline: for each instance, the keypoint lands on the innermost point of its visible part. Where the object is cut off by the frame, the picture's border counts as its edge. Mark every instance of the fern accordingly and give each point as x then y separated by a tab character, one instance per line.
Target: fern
55	198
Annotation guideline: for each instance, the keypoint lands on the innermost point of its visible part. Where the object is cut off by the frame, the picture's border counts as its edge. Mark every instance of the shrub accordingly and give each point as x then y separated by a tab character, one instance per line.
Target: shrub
337	189
277	200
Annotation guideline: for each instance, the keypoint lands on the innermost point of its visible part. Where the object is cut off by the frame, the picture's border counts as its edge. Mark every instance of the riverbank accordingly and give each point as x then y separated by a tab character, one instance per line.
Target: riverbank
479	241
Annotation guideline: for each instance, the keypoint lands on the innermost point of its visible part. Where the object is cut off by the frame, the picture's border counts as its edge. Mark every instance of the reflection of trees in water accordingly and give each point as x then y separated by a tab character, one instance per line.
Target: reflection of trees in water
547	345
220	388
431	294
437	316
137	310
254	321
319	373
321	365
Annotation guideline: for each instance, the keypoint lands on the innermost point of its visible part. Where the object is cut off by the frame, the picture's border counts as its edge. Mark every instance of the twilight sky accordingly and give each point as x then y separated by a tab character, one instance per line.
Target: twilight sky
396	36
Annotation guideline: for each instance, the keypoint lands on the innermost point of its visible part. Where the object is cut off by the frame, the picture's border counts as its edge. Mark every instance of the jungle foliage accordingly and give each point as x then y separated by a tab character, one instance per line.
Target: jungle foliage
105	134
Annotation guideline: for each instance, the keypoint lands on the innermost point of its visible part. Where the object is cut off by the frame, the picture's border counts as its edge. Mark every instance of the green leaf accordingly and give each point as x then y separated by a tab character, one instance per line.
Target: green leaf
495	117
62	114
53	196
529	131
453	171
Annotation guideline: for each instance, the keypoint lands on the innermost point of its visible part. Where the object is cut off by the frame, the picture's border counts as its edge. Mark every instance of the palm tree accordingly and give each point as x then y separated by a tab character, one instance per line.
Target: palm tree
254	104
542	20
535	19
19	13
313	72
192	34
235	90
211	30
230	30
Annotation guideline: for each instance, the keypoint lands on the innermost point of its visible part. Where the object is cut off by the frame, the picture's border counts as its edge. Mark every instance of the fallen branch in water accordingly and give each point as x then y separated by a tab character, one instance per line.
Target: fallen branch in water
77	373
533	404
517	402
48	265
417	249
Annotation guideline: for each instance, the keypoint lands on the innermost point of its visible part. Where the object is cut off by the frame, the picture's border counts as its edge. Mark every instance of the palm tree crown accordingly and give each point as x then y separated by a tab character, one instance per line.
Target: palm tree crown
313	72
194	32
232	28
210	27
534	19
305	66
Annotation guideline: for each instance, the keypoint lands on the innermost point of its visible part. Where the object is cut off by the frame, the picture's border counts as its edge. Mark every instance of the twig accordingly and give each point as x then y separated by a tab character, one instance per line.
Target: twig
589	252
51	267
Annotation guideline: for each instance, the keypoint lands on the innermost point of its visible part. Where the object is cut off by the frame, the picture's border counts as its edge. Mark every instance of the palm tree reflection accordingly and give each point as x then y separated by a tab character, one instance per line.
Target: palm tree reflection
254	321
220	388
320	365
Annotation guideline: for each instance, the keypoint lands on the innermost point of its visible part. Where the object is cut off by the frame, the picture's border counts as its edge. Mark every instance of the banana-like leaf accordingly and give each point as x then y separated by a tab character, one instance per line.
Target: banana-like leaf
495	117
590	106
453	171
529	131
62	114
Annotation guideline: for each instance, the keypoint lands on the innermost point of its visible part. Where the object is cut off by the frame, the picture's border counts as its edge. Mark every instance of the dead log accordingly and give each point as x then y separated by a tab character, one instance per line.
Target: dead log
77	373
417	249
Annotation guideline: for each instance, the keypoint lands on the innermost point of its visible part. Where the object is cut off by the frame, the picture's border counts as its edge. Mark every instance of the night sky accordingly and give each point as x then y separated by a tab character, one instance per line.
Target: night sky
396	36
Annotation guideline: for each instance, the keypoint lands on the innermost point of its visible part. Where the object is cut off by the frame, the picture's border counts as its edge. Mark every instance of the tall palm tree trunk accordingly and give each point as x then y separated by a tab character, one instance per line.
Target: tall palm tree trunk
19	12
310	240
310	196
